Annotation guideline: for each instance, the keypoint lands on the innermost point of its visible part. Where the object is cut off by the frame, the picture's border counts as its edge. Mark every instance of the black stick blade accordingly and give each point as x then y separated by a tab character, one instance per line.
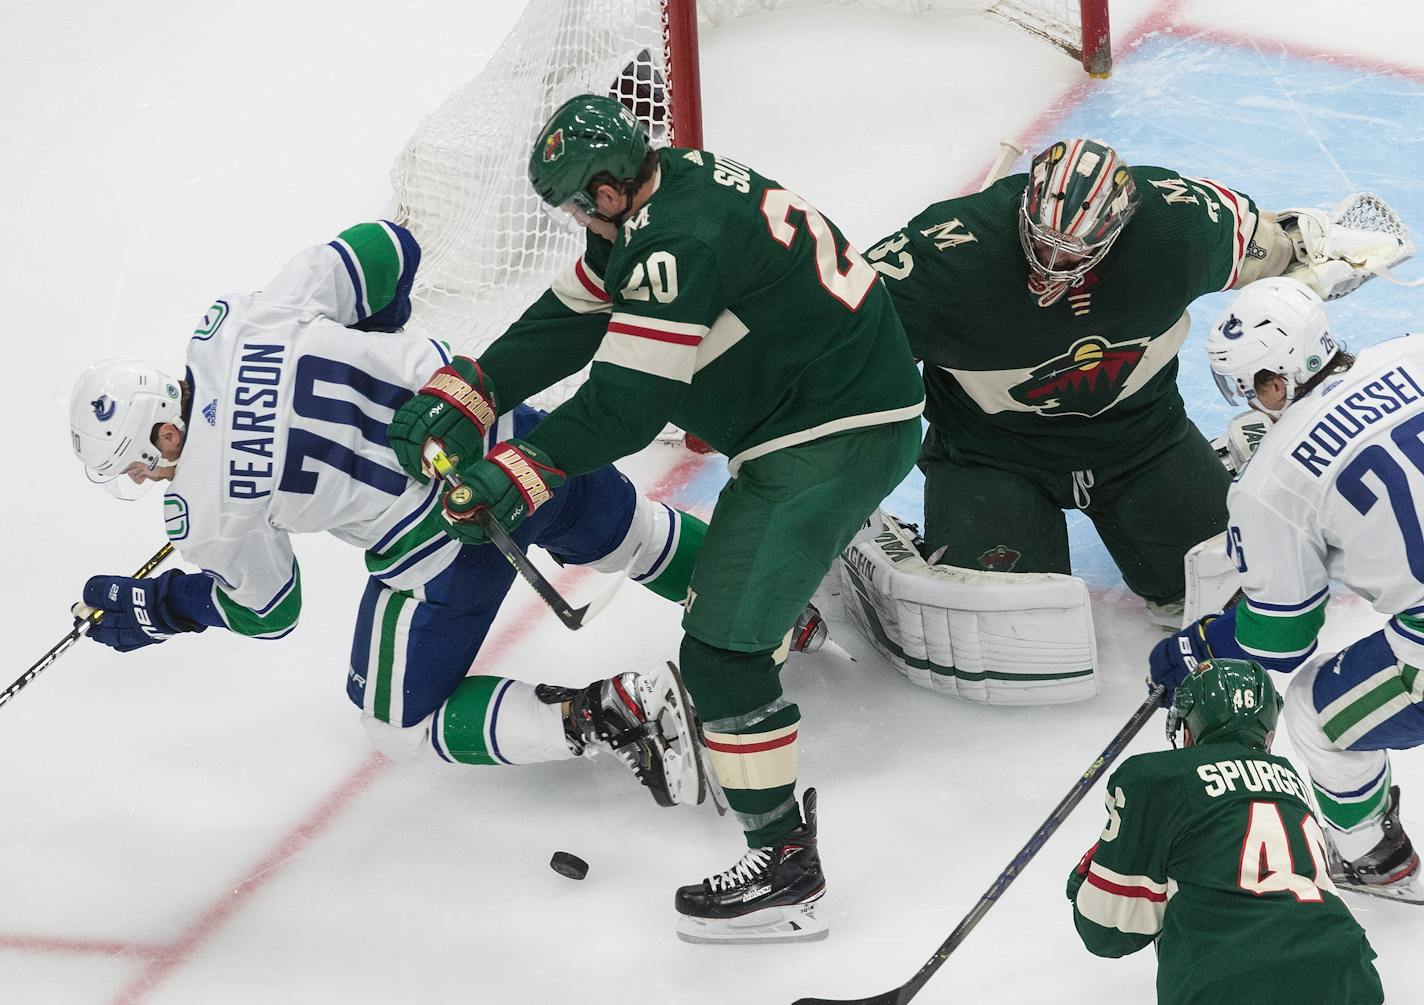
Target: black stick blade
887	998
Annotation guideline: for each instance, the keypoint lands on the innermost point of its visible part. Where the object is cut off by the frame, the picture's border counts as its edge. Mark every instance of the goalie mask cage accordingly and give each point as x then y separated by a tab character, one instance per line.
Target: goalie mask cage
489	250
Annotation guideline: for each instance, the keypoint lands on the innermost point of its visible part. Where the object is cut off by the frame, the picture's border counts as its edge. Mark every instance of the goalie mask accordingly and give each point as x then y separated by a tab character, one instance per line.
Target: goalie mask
586	136
1226	701
1278	325
112	411
1079	197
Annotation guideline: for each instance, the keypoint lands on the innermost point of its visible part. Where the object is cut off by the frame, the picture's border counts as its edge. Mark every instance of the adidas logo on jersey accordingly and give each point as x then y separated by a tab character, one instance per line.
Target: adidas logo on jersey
210	412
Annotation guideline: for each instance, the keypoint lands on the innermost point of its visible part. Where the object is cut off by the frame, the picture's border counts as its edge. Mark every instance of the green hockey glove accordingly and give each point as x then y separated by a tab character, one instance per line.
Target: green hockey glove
511	482
455	408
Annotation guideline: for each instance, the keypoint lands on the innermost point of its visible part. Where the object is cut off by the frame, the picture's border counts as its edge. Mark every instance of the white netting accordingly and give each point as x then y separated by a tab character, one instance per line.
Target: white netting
461	183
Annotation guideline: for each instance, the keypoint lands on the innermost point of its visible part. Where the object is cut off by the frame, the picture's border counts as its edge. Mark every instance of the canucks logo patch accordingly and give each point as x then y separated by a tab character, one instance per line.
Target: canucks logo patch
175	517
104	407
554	145
1233	329
1086	380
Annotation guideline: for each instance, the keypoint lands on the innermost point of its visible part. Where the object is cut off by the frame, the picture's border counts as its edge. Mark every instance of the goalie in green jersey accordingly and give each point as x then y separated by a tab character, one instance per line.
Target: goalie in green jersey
1213	853
1049	309
712	297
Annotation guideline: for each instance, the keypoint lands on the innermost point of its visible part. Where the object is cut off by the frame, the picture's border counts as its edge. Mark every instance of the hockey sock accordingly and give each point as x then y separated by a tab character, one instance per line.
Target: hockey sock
750	730
670	540
669	571
494	720
1355	815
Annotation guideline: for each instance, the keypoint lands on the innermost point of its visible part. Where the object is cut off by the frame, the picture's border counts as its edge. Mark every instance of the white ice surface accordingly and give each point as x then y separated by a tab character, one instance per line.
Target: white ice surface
203	822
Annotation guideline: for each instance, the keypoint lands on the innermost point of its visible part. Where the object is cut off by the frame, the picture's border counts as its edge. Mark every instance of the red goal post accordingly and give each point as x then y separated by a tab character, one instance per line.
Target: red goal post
489	250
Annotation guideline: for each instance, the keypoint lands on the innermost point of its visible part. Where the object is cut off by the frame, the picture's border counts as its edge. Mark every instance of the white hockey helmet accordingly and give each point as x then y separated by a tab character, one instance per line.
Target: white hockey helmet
112	411
1276	324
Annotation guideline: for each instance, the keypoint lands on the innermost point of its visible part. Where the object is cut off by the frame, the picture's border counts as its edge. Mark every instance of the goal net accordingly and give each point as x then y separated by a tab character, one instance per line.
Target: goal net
460	183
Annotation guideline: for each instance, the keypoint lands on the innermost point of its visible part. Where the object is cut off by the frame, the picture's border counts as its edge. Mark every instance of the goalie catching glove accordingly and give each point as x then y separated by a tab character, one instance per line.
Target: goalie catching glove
511	482
455	408
1360	238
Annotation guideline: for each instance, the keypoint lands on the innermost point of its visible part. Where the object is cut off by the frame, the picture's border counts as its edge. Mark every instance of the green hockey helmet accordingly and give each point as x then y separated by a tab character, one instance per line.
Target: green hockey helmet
587	136
1079	197
1224	700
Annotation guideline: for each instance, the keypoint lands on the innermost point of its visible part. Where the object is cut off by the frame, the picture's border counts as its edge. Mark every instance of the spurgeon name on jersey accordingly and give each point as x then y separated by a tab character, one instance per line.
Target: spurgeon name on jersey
286	397
727	305
1091	379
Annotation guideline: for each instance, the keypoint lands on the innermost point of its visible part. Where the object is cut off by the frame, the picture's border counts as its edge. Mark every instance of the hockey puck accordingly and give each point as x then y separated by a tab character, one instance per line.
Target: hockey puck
568	865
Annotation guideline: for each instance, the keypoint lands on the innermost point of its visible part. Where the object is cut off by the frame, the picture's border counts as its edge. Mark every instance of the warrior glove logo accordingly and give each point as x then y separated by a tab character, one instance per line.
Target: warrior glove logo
104	407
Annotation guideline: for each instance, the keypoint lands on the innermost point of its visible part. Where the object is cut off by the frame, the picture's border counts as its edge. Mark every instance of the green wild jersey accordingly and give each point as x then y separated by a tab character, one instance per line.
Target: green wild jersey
1213	852
1091	379
727	305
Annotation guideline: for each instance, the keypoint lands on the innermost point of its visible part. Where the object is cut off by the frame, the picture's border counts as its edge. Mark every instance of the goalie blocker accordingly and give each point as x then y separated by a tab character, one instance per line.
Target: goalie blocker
993	637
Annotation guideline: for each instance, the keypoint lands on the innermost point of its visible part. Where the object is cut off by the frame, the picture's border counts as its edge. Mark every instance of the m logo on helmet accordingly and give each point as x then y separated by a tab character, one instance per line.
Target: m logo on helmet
1233	329
554	145
104	407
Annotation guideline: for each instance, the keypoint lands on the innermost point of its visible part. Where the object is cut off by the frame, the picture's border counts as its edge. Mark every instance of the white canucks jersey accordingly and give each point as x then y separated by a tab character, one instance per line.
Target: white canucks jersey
1336	491
287	432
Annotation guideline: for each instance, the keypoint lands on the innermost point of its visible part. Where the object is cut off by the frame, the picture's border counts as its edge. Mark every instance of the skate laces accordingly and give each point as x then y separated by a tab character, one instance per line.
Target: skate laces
748	867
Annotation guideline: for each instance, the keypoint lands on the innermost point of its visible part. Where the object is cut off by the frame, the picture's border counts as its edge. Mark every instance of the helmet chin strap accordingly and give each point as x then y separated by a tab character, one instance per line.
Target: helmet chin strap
617	220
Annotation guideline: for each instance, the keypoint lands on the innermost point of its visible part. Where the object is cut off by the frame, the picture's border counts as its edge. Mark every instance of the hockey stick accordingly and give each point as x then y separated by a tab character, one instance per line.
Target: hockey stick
908	990
1009	151
573	618
80	629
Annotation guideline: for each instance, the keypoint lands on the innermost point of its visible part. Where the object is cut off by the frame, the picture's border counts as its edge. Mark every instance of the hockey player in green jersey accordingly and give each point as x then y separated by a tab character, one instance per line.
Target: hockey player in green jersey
1212	852
712	297
1049	310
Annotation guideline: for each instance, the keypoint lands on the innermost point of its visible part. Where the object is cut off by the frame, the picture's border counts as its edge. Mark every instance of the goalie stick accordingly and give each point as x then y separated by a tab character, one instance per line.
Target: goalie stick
1009	151
80	629
572	617
908	990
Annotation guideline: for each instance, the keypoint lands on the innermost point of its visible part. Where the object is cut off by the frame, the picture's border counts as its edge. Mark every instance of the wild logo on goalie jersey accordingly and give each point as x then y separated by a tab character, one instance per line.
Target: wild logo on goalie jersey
1086	380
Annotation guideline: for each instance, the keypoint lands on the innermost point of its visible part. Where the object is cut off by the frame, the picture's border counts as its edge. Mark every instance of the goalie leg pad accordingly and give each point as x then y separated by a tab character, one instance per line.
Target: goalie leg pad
993	637
1212	579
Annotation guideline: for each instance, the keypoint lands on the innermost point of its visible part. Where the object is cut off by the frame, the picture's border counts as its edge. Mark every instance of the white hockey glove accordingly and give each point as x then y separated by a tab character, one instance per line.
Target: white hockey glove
1243	434
1335	252
994	637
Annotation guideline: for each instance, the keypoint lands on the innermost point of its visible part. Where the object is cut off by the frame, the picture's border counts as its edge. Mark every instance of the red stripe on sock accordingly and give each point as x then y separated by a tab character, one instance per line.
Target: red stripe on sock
751	748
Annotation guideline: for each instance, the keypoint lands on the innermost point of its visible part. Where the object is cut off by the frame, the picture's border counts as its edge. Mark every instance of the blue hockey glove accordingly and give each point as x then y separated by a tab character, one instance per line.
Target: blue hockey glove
512	481
1177	655
144	612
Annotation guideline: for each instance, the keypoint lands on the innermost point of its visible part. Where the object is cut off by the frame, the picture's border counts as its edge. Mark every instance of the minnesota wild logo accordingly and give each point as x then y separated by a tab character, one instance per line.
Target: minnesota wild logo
1085	380
554	145
1000	558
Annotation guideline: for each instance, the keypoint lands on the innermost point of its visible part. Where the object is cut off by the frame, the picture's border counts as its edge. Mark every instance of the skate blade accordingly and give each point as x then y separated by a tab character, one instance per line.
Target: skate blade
667	704
1404	893
797	923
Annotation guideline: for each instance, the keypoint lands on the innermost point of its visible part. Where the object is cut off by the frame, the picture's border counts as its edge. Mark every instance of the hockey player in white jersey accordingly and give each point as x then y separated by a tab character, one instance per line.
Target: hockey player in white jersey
1334	491
278	427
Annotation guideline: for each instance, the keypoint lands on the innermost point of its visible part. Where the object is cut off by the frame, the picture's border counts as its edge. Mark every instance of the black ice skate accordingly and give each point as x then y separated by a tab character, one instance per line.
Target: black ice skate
769	896
643	720
1389	870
